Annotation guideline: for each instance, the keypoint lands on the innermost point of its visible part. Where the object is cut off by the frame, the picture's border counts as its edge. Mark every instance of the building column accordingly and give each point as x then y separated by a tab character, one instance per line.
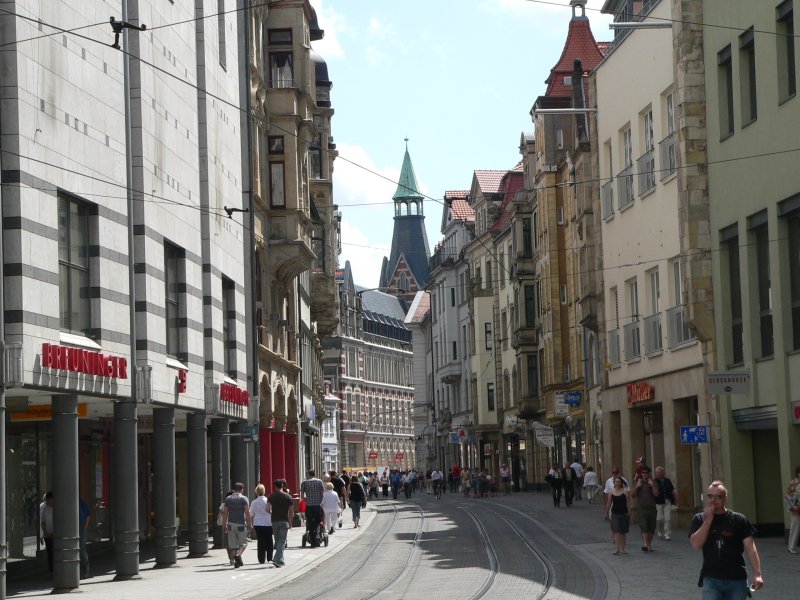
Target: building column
220	470
197	450
166	549
240	458
290	451
66	543
265	450
126	489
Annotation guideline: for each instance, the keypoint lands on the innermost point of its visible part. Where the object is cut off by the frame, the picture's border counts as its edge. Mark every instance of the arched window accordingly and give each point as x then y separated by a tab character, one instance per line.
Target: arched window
403	282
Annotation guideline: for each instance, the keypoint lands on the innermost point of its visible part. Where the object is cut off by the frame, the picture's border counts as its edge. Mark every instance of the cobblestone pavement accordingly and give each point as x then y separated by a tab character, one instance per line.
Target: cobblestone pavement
568	556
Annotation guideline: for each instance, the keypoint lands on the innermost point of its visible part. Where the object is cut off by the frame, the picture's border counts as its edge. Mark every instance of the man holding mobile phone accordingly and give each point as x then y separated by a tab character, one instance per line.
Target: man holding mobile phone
723	535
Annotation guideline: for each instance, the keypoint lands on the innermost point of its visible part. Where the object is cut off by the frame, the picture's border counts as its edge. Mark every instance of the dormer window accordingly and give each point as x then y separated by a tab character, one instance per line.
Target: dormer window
567	79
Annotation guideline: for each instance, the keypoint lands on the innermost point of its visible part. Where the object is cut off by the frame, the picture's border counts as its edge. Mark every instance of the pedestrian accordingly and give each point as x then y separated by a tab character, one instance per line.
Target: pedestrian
339	486
385	484
619	513
579	472
237	523
456	477
46	523
666	499
607	490
358	500
407	484
475	483
262	523
373	485
221	523
723	535
646	492
282	510
84	520
311	490
793	505
569	478
465	482
428	481
590	483
449	480
556	483
396	483
331	506
437	480
505	479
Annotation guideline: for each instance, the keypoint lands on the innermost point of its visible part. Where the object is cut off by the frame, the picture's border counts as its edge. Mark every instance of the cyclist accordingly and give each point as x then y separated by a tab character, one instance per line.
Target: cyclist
438	479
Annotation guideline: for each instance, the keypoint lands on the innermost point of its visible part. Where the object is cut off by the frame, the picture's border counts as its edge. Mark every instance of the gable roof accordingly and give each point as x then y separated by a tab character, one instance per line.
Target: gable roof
419	308
512	183
489	180
581	45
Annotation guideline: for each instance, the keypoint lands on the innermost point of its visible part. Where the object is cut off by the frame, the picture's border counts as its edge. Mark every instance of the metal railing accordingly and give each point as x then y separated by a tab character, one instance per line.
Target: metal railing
633	346
652	334
613	347
669	161
625	183
607	198
646	166
677	331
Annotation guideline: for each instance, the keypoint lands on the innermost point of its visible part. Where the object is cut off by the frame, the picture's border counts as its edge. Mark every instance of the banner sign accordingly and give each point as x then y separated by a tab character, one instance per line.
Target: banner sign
544	435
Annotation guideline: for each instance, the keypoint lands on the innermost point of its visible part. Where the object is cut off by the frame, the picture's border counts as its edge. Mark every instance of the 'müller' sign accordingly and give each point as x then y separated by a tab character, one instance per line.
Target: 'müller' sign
79	360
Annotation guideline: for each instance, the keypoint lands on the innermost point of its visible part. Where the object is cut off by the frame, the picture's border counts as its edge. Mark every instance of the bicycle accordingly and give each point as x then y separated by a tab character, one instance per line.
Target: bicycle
437	491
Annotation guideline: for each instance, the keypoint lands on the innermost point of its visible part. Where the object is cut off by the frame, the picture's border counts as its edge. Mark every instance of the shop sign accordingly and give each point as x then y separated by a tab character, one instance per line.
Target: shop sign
544	435
79	360
43	412
641	392
373	455
728	382
399	456
561	408
233	394
572	398
796	413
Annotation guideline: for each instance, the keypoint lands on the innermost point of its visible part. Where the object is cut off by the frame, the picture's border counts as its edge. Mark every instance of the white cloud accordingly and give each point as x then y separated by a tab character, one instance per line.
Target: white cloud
333	24
364	192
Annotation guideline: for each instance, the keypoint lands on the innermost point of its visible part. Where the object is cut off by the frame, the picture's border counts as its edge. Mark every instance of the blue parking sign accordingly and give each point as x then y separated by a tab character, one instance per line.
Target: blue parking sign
694	434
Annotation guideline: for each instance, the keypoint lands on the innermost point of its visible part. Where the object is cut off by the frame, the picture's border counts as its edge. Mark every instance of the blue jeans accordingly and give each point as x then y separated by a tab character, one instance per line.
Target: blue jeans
280	530
83	553
725	589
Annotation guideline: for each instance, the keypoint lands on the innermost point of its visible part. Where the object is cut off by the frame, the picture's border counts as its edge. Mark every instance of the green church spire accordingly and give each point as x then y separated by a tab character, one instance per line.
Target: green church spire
407	186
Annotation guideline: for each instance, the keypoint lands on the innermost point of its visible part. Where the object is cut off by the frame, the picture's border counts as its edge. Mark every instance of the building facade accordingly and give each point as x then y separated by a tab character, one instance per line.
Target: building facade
656	266
752	125
124	278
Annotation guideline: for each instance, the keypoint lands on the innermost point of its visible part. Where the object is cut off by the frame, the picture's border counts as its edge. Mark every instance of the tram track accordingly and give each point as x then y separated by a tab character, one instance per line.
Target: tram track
356	566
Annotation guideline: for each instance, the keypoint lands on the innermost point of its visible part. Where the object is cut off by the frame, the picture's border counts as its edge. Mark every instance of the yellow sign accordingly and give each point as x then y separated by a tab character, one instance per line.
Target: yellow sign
43	412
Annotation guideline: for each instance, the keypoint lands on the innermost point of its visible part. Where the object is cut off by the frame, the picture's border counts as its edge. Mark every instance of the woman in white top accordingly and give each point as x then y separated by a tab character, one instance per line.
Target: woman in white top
261	512
590	483
331	507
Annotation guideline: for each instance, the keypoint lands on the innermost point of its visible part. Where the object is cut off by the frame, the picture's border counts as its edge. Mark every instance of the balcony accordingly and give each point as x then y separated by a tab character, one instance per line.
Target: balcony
441	258
607	198
525	337
669	161
625	182
646	166
289	244
478	291
633	347
613	347
530	407
652	334
677	331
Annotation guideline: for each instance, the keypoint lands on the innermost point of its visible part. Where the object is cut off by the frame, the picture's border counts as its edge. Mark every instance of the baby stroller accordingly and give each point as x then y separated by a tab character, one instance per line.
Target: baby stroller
316	533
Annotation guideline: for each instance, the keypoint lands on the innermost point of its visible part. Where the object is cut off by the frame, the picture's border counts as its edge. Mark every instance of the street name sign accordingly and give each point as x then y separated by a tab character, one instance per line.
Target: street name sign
728	382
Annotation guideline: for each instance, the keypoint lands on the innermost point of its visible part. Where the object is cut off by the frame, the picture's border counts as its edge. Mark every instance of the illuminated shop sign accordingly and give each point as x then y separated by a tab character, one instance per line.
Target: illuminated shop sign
234	394
78	360
640	392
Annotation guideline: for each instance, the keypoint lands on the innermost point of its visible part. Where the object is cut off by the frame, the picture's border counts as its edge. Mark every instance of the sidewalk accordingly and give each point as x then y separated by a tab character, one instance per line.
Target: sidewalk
212	574
671	571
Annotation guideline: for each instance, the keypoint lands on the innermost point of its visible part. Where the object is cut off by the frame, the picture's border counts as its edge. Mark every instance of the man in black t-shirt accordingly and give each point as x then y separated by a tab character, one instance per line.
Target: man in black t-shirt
282	510
724	535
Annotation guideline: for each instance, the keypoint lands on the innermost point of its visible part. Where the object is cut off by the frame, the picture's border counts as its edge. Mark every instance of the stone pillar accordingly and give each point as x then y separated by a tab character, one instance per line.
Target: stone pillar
239	457
164	492
196	448
66	542
220	470
265	450
125	490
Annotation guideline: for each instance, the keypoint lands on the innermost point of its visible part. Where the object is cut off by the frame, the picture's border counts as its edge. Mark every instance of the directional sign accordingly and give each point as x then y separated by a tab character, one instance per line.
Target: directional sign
572	398
694	434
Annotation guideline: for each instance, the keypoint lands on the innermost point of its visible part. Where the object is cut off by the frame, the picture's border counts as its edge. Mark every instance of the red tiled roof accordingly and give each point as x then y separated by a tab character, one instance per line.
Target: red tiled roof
518	167
421	309
580	45
461	210
489	180
512	183
453	194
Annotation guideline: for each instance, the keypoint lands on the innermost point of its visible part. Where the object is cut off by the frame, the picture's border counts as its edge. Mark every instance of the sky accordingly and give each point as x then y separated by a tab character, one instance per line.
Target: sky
456	77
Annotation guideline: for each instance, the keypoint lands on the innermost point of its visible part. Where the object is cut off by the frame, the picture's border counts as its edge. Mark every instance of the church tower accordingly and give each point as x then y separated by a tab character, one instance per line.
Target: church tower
406	271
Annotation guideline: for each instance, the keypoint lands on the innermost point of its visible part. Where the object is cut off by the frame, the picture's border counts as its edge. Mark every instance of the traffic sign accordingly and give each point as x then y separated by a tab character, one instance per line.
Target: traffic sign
694	434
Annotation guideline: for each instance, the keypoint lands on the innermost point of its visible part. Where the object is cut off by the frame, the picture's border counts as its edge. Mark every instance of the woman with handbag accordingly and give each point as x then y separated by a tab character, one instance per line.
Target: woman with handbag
358	500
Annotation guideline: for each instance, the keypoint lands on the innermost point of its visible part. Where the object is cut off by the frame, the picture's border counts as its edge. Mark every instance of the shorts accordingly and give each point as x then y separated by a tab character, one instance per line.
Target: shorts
647	519
620	523
237	535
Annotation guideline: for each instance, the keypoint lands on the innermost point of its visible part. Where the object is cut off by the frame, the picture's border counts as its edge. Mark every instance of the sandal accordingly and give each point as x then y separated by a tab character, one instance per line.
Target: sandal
615	553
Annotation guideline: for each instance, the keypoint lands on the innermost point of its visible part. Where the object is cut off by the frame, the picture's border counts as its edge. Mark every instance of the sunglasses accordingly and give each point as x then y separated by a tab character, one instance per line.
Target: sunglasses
715	496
